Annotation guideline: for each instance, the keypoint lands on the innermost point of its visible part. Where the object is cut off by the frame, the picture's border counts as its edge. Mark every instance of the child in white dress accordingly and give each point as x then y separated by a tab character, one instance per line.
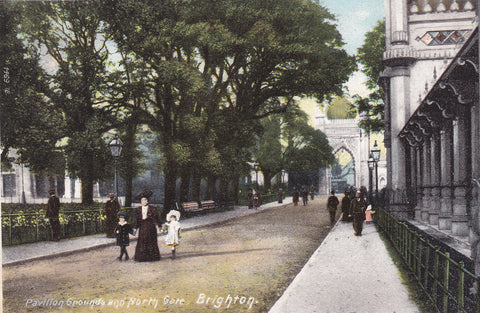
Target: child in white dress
173	230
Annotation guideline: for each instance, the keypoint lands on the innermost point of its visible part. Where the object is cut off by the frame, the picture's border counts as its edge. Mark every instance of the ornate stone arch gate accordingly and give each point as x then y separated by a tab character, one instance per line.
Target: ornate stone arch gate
344	134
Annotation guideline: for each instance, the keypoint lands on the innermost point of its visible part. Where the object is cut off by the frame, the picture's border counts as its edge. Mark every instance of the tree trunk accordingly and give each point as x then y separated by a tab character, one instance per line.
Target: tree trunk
86	177
129	161
184	185
267	181
170	177
235	189
211	180
196	186
223	190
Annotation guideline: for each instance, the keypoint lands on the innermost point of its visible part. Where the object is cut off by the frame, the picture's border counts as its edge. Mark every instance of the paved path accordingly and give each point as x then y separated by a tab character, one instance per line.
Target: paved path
347	274
46	249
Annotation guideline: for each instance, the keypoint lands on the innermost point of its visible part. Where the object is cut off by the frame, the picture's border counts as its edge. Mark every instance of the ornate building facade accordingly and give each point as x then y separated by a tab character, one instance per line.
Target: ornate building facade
432	114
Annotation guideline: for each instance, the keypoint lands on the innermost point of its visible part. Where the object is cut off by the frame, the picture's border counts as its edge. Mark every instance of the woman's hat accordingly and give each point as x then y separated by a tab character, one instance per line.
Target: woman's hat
144	194
175	213
111	195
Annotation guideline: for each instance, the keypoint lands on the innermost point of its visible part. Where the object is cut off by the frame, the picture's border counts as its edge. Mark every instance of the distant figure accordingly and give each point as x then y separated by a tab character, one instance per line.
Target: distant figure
122	230
295	196
304	196
173	228
256	199
312	191
280	195
250	198
146	221
53	209
346	206
332	204
111	209
357	211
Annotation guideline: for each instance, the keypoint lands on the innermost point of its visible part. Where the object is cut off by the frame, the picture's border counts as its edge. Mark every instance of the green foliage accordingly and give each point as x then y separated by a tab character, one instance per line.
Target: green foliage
340	108
370	108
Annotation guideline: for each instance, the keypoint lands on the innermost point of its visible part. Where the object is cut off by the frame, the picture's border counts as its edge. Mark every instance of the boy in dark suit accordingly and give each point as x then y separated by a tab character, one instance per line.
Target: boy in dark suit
122	230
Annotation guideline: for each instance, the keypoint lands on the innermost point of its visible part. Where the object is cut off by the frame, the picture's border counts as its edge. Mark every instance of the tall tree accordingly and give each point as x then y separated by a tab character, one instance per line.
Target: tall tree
370	56
73	35
29	125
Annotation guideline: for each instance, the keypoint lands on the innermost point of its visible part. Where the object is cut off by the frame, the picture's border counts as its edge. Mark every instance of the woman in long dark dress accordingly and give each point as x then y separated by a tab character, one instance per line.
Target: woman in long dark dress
147	219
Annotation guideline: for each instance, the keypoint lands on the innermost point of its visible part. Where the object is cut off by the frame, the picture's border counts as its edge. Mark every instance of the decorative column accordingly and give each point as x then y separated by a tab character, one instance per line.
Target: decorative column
427	162
445	217
461	172
435	179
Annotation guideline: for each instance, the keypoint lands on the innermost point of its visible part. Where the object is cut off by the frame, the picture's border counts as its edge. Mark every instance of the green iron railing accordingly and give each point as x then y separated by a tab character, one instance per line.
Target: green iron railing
448	284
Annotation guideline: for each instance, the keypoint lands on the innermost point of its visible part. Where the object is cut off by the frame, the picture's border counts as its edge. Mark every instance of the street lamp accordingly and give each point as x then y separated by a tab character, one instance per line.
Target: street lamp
256	167
116	146
371	165
376	156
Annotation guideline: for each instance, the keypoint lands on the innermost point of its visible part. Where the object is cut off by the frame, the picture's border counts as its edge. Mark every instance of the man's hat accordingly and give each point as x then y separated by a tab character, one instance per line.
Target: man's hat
111	195
51	191
144	194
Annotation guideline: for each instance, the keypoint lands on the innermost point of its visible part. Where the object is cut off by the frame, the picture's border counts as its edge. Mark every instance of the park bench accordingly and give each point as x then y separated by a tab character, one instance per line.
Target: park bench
208	205
190	207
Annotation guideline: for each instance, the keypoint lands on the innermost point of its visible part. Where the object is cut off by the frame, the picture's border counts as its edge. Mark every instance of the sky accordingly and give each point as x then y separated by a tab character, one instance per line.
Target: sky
354	19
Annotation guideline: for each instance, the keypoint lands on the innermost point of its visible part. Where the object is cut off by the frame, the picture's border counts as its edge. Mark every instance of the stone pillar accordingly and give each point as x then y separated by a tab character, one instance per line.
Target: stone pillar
427	157
461	136
445	217
399	104
435	179
68	188
77	190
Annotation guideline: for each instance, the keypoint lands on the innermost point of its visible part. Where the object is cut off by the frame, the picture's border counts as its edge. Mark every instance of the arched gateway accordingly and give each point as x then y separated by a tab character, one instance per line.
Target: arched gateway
344	135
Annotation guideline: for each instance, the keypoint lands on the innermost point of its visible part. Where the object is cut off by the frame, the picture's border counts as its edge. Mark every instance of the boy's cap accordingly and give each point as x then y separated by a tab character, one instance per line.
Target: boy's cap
122	214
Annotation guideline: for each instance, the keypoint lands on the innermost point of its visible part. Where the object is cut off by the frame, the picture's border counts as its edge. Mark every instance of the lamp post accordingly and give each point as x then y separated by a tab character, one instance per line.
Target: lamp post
116	146
371	165
256	167
376	156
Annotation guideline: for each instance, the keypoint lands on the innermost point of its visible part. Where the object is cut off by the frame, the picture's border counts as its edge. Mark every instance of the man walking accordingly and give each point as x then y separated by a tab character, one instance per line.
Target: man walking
53	208
357	210
111	209
332	204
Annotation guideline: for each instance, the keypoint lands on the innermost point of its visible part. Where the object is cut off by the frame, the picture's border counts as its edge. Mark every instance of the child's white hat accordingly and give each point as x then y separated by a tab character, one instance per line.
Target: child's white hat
175	213
369	207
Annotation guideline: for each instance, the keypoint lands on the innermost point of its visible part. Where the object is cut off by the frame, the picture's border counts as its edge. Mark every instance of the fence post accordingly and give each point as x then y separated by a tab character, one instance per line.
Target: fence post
10	228
460	287
435	276
446	271
427	259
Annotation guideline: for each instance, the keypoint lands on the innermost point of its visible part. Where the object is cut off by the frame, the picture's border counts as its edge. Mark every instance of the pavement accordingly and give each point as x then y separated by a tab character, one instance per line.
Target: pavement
346	273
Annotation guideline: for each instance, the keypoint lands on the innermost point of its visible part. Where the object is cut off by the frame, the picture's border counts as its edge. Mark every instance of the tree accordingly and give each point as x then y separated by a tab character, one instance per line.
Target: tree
74	37
29	124
370	56
340	108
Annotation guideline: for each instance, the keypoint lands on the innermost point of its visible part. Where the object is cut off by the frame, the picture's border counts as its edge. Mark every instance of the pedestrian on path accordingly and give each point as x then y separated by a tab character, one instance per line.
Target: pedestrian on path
295	196
312	191
256	199
173	228
250	198
304	196
357	211
332	204
346	206
280	195
53	209
368	214
122	231
147	220
111	209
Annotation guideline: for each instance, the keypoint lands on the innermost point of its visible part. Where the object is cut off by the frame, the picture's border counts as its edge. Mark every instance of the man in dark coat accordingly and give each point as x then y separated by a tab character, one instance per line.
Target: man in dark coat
357	211
332	204
250	198
304	196
53	208
280	195
346	206
147	220
111	209
295	196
